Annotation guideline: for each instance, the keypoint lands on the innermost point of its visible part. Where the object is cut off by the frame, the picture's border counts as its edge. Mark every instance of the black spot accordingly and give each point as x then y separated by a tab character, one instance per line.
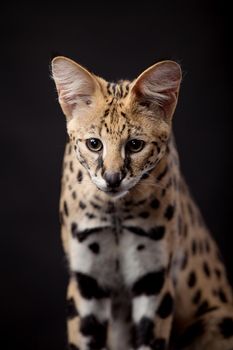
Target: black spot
140	247
71	166
89	287
142	333
204	308
149	284
226	327
70	148
166	307
180	225
192	279
137	230
66	211
206	269
90	216
82	235
128	203
169	212
71	346
106	112
82	205
162	174
207	246
191	334
144	214
222	296
218	273
157	147
185	261
197	297
157	233
71	310
74	229
94	247
108	88
107	129
163	192
155	203
194	247
80	176
100	162
74	196
96	330
95	205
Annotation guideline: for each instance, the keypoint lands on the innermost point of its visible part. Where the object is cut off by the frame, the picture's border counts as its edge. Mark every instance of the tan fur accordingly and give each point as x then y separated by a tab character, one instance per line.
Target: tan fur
115	114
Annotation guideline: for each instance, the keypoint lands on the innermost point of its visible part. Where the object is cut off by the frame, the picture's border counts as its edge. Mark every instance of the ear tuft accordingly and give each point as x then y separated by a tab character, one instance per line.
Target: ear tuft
159	85
75	85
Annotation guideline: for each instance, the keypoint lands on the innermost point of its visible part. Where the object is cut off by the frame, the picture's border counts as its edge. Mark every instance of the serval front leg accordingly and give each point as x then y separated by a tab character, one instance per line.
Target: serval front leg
145	263
88	307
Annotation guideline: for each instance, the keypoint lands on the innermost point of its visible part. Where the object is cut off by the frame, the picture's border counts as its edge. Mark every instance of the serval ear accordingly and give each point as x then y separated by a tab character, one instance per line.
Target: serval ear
159	86
75	85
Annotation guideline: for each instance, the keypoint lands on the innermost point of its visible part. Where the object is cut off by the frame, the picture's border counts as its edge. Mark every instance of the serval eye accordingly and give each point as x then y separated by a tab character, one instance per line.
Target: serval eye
135	145
94	145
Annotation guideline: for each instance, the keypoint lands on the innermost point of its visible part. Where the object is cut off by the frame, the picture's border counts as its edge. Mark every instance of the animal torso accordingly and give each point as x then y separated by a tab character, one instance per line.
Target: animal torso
144	270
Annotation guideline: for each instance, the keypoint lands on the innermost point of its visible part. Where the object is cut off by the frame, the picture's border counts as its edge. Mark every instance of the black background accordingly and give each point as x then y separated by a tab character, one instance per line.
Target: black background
114	40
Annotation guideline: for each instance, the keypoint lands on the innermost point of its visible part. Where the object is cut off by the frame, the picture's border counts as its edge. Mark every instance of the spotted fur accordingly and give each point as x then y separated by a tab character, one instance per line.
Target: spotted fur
145	273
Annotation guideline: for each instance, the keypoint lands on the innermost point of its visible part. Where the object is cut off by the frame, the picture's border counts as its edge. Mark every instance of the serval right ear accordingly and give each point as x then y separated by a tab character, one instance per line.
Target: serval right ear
75	85
159	86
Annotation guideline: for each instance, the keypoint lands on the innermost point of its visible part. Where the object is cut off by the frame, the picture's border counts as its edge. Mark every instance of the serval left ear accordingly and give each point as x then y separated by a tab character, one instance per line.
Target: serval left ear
76	86
159	85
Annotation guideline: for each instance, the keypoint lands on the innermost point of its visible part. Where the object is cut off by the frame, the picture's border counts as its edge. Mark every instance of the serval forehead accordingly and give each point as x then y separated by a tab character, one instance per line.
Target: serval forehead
118	90
115	118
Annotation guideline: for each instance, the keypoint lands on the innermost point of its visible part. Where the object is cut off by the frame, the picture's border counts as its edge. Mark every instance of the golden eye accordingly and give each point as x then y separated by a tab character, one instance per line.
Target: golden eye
94	145
135	145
